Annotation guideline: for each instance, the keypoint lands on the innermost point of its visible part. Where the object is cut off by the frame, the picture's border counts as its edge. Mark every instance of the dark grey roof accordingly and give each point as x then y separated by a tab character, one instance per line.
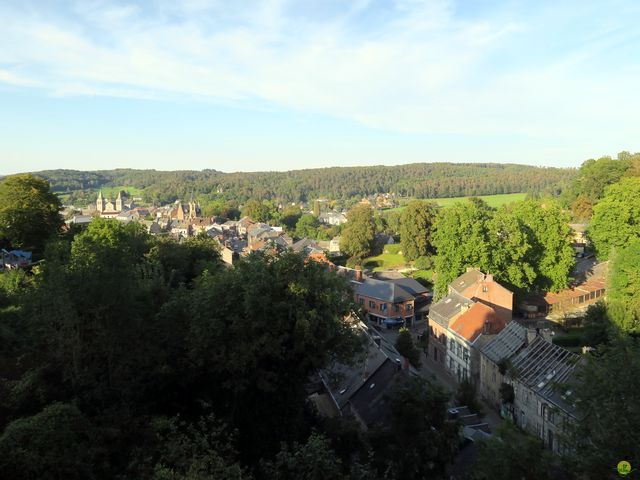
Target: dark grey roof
447	308
343	380
371	400
384	290
300	245
511	339
414	287
465	280
545	368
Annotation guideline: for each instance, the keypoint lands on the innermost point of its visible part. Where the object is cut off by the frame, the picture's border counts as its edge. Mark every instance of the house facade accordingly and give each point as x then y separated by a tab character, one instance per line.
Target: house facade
390	302
476	309
494	361
540	376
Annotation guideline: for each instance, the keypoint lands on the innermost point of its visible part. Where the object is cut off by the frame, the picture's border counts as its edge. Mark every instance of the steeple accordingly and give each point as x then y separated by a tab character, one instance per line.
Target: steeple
119	201
100	202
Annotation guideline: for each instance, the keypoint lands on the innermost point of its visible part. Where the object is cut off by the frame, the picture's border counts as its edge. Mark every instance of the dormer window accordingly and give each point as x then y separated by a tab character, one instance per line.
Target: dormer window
485	289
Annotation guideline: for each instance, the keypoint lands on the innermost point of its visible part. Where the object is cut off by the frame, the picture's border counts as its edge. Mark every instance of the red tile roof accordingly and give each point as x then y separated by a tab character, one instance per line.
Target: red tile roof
470	324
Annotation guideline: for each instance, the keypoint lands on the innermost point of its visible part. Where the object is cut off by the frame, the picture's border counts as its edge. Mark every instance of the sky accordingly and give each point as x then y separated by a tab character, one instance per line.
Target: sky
242	85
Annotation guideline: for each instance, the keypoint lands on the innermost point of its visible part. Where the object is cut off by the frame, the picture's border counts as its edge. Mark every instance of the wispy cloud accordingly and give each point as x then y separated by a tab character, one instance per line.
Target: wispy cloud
404	65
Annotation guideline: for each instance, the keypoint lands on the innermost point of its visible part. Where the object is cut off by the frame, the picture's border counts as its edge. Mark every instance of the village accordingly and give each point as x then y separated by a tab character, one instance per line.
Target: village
477	333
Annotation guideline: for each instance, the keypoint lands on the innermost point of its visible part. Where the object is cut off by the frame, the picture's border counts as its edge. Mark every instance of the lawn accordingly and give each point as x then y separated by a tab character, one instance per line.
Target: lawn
384	261
423	276
113	191
493	200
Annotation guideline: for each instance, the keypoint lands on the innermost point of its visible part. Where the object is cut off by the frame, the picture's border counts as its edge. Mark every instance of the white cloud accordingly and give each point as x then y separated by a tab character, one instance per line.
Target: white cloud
417	67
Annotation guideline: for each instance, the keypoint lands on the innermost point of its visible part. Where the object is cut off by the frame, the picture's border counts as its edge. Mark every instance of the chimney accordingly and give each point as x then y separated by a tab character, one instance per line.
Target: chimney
532	334
488	277
358	274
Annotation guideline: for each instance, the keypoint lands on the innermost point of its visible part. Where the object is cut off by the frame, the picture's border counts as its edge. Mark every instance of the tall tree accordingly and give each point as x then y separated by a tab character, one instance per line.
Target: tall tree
416	225
616	218
607	394
307	226
359	232
313	460
511	454
406	347
29	212
420	442
548	232
623	295
511	250
461	239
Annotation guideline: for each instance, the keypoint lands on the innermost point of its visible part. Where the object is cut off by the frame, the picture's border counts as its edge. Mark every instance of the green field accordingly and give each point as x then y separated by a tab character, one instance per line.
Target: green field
493	200
107	192
384	261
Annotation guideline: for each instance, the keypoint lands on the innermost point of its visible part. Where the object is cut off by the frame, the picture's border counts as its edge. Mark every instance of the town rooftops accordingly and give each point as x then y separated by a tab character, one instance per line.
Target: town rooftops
384	290
447	308
544	368
506	343
478	319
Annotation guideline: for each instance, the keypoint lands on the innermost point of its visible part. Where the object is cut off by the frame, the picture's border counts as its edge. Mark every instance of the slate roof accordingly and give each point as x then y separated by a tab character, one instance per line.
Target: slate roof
344	380
447	308
300	245
466	280
506	343
412	286
384	290
542	367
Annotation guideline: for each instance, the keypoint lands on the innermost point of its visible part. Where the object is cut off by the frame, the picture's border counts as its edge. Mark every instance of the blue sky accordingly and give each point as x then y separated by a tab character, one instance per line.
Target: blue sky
277	84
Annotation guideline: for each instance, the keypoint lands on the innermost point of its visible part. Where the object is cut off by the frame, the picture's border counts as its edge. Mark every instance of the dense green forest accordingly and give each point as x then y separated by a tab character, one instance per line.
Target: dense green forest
423	180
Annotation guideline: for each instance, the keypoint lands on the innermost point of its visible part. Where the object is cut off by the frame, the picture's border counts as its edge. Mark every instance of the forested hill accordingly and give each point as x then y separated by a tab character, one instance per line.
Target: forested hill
421	180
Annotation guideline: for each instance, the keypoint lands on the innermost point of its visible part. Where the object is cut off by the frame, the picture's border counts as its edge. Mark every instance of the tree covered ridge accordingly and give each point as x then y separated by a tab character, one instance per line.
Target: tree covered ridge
422	180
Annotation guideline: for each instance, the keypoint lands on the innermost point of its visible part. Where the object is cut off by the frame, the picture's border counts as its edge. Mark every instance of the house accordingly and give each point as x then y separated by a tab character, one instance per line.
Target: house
391	302
540	377
180	228
15	259
494	360
243	225
229	256
80	220
579	231
200	225
481	287
332	218
476	309
589	288
306	246
360	390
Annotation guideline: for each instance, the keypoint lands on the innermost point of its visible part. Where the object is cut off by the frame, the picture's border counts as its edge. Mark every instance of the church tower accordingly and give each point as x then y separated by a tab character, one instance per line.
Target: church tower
100	202
119	202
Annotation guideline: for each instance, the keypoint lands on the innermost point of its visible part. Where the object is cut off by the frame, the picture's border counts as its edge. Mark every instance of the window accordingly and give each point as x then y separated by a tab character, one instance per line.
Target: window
383	307
451	364
372	304
396	307
361	300
408	307
464	373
